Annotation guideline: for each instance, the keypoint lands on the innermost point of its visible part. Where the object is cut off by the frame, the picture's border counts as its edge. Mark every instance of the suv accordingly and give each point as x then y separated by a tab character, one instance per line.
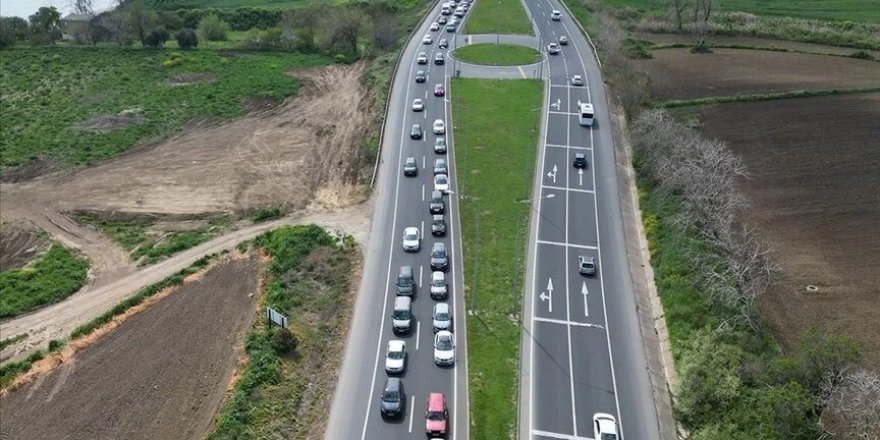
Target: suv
438	225
440	145
563	40
439	59
401	315
439	257
410	167
440	167
415	132
442	317
580	160
443	44
552	49
437	205
556	15
406	284
586	265
422	58
438	285
392	399
436	415
421	76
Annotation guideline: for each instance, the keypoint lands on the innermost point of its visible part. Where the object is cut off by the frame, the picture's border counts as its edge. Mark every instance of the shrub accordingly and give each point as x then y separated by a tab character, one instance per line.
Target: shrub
157	37
187	38
861	54
212	28
709	381
54	276
283	340
267	214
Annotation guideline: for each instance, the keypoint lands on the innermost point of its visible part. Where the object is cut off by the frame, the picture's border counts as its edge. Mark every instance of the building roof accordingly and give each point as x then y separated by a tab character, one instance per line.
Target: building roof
77	17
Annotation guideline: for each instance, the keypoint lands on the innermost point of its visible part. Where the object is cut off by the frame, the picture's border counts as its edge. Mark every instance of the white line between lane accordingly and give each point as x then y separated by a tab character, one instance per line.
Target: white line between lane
564	322
418	332
412	411
567	302
568	146
556	243
562	188
558	435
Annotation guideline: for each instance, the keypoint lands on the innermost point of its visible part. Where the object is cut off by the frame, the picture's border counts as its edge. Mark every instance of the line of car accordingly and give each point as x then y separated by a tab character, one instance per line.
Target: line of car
393	397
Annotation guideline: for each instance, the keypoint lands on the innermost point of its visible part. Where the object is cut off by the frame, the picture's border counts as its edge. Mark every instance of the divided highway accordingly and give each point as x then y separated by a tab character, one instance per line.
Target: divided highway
582	349
401	202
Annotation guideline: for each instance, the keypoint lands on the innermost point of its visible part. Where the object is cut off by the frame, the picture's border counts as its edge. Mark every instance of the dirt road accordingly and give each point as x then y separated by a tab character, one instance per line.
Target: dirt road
58	320
162	374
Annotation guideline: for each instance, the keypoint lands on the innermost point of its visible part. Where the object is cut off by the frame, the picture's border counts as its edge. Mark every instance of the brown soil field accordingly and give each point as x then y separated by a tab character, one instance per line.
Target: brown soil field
750	41
19	244
162	374
678	74
815	191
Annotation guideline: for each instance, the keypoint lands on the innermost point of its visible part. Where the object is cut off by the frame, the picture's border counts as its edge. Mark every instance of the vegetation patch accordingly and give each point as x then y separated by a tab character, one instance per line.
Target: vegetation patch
268	213
491	117
52	277
837	10
9	341
498	17
497	54
751	97
291	373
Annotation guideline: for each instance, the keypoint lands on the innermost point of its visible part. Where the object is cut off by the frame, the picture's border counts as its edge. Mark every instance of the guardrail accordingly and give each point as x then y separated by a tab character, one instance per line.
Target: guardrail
583	31
391	89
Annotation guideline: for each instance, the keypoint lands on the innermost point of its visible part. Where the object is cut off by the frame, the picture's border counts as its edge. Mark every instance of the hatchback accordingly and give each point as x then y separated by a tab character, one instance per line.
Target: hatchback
441	183
439	258
392	400
440	166
580	160
586	265
418	105
442	316
439	90
438	225
436	415
439	127
411	239
438	285
416	132
410	167
440	145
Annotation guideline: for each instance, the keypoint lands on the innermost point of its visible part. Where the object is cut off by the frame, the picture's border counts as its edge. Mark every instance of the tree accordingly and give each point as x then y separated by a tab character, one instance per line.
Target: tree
824	358
709	380
853	400
212	28
140	20
343	26
187	38
157	37
678	7
45	25
114	25
702	18
12	30
82	7
384	29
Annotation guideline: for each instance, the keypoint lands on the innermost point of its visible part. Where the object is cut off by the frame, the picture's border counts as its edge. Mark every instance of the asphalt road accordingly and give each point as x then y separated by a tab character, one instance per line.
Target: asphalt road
403	202
582	348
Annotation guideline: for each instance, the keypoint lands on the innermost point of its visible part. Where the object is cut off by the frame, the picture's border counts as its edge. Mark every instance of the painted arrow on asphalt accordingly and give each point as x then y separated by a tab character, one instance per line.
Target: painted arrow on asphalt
552	174
585	292
545	295
581	176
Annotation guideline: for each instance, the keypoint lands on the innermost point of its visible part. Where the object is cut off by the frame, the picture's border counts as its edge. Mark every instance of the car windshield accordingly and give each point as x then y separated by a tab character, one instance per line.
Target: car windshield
395	354
440	179
401	314
404	282
444	343
439	282
442	316
391	396
411	236
435	415
441	253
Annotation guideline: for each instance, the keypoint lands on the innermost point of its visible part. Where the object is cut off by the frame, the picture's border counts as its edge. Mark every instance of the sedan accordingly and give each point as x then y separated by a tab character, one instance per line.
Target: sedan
553	48
441	183
443	44
395	357
438	283
604	427
444	348
440	167
586	265
411	239
577	80
422	58
410	167
421	76
415	132
439	90
450	28
418	105
563	40
435	26
580	160
440	145
439	127
428	39
442	19
442	317
439	59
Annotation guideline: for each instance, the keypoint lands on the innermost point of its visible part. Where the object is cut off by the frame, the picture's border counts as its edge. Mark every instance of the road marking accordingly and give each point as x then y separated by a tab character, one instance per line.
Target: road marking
567	303
556	243
557	105
585	292
562	188
548	294
423	192
552	173
568	323
521	72
558	435
580	177
569	86
424	162
567	147
421	270
412	411
562	113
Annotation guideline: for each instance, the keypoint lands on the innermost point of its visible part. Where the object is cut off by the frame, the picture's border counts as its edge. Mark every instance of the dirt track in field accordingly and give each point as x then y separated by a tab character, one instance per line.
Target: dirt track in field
678	74
815	190
751	41
162	374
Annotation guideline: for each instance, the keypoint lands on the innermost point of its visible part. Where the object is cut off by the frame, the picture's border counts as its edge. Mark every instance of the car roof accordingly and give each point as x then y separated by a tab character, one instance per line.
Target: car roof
441	307
438	217
436	193
396	345
438	274
606	422
436	401
411	229
410	159
392	383
439	245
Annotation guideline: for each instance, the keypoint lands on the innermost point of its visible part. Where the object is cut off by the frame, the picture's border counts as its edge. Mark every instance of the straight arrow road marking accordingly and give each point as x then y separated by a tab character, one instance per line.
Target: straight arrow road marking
545	295
580	177
585	292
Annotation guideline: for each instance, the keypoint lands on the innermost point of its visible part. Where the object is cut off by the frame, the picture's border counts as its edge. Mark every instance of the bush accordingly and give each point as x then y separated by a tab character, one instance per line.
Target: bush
283	340
709	381
187	38
212	28
267	214
157	37
861	54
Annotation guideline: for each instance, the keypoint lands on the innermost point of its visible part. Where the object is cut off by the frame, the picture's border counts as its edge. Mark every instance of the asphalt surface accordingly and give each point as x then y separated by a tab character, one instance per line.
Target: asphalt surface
402	202
582	347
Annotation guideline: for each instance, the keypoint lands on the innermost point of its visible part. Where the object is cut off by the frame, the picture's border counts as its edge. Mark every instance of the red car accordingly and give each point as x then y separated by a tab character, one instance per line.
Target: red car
439	90
436	416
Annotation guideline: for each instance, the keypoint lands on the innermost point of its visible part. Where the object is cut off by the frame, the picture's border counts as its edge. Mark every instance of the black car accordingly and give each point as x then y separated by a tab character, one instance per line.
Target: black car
450	28
440	145
439	257
438	225
443	44
580	160
410	167
421	77
437	205
416	132
439	59
392	400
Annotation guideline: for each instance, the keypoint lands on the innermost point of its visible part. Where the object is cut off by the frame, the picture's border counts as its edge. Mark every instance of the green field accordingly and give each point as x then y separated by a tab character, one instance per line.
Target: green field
853	10
48	93
54	276
497	55
202	4
496	135
497	16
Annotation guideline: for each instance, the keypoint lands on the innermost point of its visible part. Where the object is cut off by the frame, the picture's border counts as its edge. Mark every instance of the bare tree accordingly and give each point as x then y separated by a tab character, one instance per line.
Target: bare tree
678	7
384	29
115	26
343	26
702	18
84	7
852	398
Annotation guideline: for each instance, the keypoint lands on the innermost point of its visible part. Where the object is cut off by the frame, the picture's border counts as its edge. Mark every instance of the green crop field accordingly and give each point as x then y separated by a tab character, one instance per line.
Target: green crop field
853	10
48	93
498	16
499	55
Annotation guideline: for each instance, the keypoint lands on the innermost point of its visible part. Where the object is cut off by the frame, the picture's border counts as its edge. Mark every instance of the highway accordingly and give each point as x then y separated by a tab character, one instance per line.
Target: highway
582	350
402	202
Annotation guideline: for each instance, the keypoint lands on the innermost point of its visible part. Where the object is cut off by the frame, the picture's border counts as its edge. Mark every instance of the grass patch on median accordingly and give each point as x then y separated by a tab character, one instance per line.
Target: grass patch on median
496	135
498	16
497	55
52	277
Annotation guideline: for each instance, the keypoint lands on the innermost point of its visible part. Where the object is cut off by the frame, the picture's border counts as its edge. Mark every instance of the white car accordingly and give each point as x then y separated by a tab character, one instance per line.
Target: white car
577	80
444	348
428	39
422	58
395	357
418	105
442	317
553	48
435	26
438	285
604	427
411	239
441	183
556	15
439	126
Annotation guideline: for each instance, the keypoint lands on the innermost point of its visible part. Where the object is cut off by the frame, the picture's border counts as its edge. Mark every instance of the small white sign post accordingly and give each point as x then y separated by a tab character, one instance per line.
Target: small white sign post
275	317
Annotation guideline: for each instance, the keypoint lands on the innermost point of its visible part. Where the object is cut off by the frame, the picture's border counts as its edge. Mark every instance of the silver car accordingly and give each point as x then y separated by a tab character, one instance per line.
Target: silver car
440	167
438	285
442	317
411	239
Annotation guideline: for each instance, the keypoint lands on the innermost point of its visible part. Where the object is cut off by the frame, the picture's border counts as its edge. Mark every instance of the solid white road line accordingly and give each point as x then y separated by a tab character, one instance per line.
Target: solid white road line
563	113
558	435
521	72
574	147
412	411
567	323
567	302
556	243
418	332
562	188
421	270
423	192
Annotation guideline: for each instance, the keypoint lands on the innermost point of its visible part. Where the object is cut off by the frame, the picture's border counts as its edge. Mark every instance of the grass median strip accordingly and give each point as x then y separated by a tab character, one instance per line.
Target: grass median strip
496	135
497	54
498	17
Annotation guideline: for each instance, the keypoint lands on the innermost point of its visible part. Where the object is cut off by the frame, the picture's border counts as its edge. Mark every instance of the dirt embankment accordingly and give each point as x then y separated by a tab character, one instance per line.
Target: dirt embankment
19	244
814	166
162	374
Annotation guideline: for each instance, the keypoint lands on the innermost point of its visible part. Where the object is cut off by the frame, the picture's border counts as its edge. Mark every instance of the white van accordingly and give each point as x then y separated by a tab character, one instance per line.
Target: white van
446	8
585	114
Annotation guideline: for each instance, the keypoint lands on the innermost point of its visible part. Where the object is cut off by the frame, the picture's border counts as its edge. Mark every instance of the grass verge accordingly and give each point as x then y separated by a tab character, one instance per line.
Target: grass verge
497	55
493	119
148	242
712	100
52	277
308	280
52	95
498	17
9	341
11	370
853	10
